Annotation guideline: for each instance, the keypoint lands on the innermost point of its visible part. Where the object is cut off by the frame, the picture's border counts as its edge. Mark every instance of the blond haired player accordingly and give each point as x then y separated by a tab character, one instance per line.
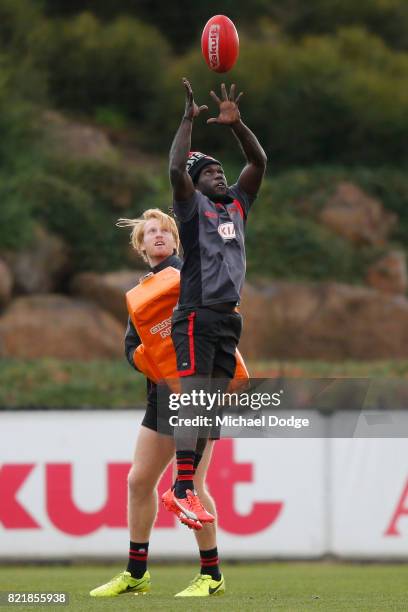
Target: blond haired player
155	238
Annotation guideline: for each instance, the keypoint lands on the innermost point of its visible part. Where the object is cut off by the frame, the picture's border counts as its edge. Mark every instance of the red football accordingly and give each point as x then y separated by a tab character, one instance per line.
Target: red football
220	43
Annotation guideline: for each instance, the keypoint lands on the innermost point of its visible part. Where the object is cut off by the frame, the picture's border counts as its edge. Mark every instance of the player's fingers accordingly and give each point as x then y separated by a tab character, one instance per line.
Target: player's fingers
232	93
224	92
239	97
212	120
189	91
202	108
215	97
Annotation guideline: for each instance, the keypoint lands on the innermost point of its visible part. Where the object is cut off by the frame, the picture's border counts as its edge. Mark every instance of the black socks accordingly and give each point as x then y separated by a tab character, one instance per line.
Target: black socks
185	473
209	563
137	564
197	459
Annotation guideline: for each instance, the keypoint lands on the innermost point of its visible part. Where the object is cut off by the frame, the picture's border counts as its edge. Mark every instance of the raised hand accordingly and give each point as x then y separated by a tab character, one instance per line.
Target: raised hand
229	111
191	110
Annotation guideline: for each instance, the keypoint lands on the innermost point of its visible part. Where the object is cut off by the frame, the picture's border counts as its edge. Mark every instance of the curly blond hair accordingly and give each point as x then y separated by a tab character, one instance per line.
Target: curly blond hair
138	227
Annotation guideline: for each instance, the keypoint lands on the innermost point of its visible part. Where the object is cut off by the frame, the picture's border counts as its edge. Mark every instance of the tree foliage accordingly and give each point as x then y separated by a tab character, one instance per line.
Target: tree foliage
324	82
92	64
181	23
327	99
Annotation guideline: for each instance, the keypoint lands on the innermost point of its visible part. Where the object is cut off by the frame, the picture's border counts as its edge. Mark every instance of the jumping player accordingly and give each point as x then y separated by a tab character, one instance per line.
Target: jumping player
205	325
155	238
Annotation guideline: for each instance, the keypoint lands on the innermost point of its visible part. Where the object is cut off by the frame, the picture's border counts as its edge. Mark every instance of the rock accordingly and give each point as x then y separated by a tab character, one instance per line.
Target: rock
107	290
76	140
332	321
357	217
40	267
389	274
60	327
6	283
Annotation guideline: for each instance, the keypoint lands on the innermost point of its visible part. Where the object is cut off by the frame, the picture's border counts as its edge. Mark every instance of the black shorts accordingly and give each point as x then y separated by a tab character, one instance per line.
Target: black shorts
205	340
150	421
150	417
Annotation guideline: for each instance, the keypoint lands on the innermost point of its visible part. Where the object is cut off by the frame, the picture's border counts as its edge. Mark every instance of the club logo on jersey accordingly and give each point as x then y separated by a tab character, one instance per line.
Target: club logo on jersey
213	46
227	230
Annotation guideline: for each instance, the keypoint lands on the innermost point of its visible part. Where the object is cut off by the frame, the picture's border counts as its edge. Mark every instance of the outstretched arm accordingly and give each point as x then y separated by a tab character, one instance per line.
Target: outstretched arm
251	176
181	182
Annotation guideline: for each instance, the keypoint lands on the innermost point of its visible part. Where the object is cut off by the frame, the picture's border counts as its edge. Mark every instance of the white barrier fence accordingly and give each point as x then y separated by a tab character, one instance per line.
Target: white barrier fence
63	492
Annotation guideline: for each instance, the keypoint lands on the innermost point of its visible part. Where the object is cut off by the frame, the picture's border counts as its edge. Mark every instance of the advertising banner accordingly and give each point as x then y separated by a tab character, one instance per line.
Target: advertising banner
63	490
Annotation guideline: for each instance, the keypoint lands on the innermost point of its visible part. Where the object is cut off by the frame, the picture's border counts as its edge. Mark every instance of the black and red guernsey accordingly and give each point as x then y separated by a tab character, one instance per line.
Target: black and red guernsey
212	236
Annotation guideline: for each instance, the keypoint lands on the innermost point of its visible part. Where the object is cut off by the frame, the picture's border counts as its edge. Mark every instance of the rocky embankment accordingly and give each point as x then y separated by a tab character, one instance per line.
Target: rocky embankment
281	319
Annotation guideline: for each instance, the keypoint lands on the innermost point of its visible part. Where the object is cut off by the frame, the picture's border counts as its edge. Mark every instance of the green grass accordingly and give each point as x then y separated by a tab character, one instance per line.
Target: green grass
326	369
114	384
261	586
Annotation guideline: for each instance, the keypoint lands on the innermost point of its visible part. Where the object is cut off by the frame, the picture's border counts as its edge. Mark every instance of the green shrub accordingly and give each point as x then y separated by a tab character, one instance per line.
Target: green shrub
17	20
288	246
70	384
113	183
329	100
16	222
387	19
18	142
85	224
82	200
118	64
285	240
20	157
182	26
110	117
20	23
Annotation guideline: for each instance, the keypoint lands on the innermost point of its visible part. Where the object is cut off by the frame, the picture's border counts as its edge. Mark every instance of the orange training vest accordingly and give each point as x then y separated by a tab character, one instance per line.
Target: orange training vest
150	305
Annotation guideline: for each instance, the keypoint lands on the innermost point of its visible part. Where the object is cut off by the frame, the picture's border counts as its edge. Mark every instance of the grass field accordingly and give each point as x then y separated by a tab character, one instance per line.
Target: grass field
261	586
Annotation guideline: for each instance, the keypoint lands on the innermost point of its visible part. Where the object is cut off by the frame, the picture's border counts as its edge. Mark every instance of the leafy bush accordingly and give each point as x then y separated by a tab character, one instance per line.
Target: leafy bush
91	64
387	19
20	23
86	225
20	157
82	200
112	384
182	26
179	22
113	183
16	220
70	384
285	241
331	100
17	20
